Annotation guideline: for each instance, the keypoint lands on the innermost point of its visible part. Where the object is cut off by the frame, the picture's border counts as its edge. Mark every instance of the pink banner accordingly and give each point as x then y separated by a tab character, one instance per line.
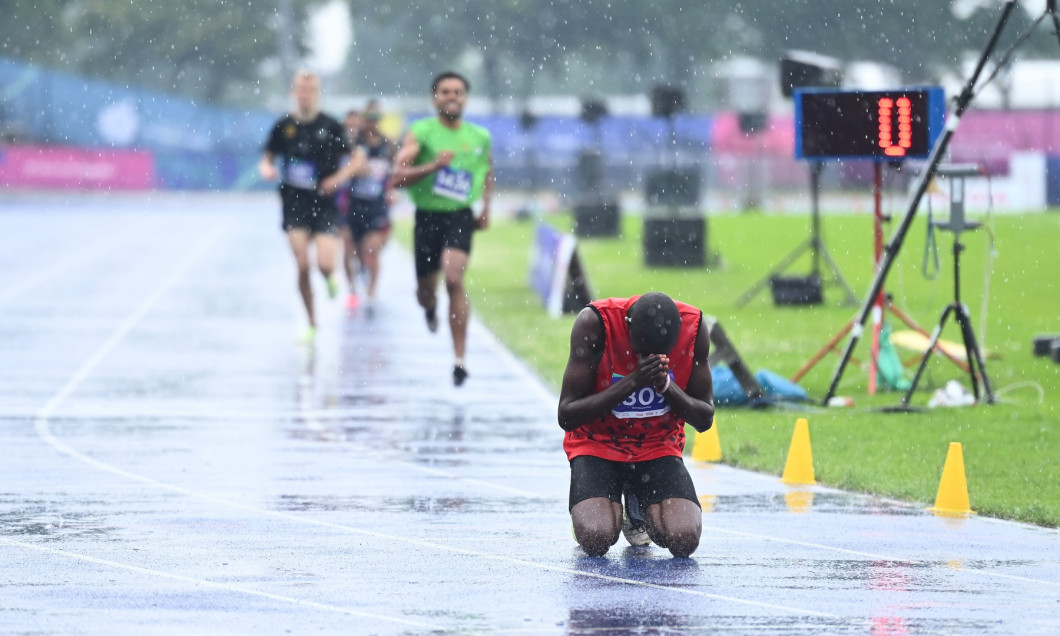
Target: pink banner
776	139
58	167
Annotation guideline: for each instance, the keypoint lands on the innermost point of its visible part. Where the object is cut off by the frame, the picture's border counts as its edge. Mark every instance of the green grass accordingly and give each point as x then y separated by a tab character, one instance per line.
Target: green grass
1011	450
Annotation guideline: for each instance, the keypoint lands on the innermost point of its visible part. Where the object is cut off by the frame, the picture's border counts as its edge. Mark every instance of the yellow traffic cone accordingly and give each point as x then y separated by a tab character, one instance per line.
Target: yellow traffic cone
799	500
706	447
706	502
799	467
952	498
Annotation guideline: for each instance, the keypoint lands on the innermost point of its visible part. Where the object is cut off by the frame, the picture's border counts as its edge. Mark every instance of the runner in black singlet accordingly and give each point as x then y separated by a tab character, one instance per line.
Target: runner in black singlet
311	146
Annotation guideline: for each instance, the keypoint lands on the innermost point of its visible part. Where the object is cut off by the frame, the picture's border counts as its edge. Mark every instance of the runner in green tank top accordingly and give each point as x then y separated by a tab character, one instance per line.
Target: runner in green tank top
459	184
446	164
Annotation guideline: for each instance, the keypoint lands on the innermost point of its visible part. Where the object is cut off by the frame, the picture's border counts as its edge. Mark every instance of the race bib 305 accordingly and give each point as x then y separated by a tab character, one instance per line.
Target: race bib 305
645	402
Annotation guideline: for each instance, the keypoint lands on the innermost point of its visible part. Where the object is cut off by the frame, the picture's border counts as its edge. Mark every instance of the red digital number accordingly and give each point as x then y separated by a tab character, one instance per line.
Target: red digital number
886	109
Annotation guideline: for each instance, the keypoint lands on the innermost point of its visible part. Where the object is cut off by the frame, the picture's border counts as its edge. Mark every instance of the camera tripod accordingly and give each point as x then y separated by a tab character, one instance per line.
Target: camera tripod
957	224
815	244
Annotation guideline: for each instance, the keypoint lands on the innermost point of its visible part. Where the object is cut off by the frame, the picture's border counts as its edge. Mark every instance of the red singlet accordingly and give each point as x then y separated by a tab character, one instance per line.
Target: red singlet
642	427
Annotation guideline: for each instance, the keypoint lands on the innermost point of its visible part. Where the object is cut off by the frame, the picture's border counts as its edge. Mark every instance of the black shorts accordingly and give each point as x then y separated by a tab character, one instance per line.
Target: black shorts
436	231
652	481
305	209
365	217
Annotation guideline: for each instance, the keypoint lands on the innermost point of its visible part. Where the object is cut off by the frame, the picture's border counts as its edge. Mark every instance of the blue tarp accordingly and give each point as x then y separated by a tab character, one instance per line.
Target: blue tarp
728	392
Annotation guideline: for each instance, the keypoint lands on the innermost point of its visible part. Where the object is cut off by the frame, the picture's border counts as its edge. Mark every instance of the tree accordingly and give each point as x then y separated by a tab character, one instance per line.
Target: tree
490	39
921	39
192	47
31	30
636	44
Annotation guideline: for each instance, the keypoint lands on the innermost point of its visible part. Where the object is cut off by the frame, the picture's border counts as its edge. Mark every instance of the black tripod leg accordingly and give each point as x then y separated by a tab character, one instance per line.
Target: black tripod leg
780	267
837	276
927	354
975	356
1050	7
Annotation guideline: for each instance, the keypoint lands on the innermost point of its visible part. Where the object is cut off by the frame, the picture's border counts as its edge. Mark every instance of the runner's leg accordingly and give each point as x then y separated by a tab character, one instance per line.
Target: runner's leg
425	294
327	245
676	524
665	490
427	250
454	264
595	502
349	254
298	238
371	247
597	523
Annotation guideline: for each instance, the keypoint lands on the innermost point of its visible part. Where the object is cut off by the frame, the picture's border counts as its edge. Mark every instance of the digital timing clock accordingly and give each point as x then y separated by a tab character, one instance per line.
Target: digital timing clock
889	125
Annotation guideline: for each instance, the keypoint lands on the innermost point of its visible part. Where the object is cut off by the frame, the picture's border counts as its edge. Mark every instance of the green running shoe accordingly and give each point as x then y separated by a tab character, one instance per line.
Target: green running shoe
308	335
333	287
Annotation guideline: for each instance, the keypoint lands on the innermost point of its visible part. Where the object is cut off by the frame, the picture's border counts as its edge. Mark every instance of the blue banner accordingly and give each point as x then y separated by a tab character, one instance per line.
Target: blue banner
195	146
550	266
1052	180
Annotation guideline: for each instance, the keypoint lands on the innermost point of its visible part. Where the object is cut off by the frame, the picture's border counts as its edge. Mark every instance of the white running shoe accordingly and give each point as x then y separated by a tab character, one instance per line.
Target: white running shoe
634	527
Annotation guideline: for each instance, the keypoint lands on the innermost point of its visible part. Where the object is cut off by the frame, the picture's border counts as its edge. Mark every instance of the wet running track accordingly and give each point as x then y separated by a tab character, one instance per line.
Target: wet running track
174	463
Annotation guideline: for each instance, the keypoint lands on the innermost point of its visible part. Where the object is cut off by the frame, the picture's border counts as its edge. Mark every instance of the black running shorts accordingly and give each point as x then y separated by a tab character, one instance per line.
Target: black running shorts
305	209
436	231
365	217
652	481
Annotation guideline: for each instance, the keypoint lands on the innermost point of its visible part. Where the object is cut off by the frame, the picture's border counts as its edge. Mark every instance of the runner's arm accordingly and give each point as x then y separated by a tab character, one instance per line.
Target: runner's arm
357	165
267	166
405	174
695	404
483	221
578	404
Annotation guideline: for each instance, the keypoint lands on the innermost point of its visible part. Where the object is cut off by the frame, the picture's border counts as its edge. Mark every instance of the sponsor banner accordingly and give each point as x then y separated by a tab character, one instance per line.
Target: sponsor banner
549	264
1052	181
57	167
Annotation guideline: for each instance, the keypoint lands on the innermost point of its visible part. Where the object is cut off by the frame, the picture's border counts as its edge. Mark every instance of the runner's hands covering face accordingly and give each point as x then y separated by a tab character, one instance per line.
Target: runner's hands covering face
652	370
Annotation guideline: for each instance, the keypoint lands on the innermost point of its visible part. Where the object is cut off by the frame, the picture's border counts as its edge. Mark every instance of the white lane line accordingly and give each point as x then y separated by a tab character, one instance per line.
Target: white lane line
873	555
377	455
43	429
90	365
87	411
362	450
471	480
45	434
39	276
227	587
532	379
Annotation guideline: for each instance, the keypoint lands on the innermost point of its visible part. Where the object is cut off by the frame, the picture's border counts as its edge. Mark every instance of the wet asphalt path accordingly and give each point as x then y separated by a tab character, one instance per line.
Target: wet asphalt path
174	463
